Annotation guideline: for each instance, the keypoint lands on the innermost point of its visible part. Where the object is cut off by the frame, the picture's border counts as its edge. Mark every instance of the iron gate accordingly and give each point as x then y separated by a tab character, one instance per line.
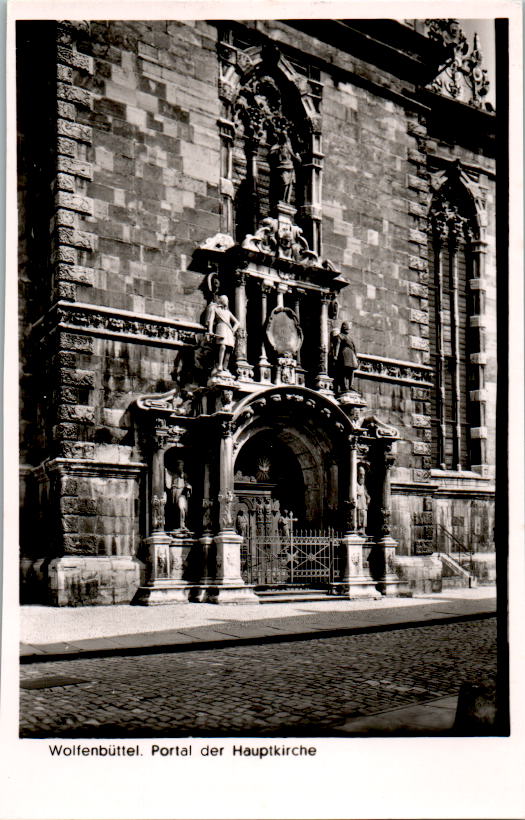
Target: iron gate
302	558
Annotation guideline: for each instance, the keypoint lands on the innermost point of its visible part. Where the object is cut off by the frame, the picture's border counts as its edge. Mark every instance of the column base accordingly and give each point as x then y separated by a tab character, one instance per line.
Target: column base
229	594
356	588
164	592
392	587
265	371
325	385
244	372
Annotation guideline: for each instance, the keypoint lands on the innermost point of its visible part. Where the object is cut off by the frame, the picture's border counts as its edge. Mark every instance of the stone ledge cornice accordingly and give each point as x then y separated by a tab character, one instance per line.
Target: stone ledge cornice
84	467
394	370
106	322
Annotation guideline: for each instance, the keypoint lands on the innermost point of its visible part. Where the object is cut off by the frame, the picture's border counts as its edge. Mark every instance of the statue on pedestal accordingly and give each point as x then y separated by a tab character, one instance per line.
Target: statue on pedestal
344	357
222	326
179	490
362	501
282	157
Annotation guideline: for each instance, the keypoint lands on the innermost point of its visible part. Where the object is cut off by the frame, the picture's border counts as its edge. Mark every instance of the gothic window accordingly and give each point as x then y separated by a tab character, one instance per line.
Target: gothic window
451	303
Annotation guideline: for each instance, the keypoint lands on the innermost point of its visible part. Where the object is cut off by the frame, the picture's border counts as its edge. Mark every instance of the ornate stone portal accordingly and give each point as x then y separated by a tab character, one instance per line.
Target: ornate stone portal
274	361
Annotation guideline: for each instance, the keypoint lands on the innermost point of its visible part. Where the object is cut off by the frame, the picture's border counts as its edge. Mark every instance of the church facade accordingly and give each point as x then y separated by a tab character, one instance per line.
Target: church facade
257	309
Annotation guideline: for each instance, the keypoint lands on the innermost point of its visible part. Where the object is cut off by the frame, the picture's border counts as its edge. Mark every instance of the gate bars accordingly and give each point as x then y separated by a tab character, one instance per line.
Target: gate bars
304	557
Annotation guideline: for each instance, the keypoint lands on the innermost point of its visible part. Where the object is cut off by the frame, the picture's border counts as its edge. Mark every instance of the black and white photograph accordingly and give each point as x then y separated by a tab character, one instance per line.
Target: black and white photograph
263	368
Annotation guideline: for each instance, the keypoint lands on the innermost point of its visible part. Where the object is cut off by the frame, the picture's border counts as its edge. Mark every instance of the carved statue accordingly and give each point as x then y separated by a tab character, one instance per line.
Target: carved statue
179	489
222	325
344	357
226	400
285	523
241	523
157	513
226	500
362	500
282	158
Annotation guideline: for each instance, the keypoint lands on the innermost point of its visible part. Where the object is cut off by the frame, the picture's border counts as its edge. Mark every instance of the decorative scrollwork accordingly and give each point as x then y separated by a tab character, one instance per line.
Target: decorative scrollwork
461	76
281	238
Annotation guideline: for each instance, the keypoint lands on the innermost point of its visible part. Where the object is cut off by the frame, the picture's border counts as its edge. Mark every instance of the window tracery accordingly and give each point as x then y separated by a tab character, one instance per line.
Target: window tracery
456	335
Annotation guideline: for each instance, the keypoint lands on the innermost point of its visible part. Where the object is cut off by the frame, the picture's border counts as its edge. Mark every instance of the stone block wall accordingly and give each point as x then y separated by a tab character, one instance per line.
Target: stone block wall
133	175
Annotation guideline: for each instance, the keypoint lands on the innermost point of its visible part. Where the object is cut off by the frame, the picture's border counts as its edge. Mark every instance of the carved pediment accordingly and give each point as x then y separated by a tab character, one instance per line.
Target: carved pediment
461	75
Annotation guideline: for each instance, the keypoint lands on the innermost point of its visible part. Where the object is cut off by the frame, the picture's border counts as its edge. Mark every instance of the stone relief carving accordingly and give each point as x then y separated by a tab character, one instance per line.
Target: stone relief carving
226	500
175	332
157	513
180	402
461	76
281	238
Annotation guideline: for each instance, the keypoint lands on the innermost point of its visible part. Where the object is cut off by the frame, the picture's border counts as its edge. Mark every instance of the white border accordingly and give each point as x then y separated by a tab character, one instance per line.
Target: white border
361	778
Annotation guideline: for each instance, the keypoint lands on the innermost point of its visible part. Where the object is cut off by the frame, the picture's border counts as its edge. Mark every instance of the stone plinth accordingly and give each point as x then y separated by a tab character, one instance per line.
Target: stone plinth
80	580
228	586
382	561
167	561
351	399
355	581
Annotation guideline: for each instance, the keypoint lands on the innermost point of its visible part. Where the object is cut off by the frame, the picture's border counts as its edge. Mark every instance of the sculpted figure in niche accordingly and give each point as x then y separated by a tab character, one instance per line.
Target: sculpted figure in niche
282	157
241	523
362	500
344	357
179	491
222	326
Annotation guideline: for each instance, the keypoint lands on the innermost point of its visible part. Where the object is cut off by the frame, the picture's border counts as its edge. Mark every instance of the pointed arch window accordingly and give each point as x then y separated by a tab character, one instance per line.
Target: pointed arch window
452	303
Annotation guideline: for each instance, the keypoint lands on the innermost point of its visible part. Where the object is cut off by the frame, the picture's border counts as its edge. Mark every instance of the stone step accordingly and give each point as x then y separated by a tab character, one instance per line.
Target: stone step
292	596
454	582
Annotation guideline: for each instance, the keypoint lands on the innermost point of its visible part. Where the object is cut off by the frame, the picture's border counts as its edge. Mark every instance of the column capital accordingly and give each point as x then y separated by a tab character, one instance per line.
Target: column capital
266	286
167	435
226	427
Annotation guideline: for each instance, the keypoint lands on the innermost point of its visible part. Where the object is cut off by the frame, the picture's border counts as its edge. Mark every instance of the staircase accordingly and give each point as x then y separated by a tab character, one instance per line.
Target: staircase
292	594
453	574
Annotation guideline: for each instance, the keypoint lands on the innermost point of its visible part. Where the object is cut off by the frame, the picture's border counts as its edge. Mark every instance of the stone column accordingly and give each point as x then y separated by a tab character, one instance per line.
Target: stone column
312	209
323	382
388	582
265	372
355	581
244	370
281	290
299	292
228	586
167	552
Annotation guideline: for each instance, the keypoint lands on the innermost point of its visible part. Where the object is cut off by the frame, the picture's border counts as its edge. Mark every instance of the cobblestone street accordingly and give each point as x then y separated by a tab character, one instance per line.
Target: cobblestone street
305	687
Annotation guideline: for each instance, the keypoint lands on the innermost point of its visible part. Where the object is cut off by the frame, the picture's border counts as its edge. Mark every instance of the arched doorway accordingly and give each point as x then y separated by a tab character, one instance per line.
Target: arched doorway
286	487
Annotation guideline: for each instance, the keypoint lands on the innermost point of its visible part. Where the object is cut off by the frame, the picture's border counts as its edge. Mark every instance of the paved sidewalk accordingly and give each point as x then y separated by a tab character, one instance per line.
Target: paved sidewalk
50	633
433	717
